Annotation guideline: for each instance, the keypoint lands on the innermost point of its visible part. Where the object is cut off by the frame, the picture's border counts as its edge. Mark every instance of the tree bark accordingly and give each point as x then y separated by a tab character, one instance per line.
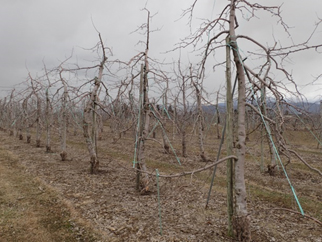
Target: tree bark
174	120
89	118
144	131
63	125
200	121
229	142
184	116
26	117
87	122
320	134
166	145
241	218
38	132
48	122
265	133
12	125
218	116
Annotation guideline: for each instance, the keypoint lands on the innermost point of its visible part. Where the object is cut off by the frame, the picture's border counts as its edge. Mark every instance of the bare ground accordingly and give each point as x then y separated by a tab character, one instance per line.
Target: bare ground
32	211
109	202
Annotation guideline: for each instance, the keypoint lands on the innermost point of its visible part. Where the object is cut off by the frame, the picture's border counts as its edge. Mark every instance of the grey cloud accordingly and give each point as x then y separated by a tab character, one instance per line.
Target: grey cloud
33	30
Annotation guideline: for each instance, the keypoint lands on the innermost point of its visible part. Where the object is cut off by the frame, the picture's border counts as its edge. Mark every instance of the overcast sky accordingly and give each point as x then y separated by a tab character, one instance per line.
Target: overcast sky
33	31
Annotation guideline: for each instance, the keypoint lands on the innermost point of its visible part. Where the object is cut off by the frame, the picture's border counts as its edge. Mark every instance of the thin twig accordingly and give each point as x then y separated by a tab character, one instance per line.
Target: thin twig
185	173
292	211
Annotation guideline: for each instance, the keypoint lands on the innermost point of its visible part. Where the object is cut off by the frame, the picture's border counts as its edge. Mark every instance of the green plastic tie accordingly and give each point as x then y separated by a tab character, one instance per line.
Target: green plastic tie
13	123
167	113
154	127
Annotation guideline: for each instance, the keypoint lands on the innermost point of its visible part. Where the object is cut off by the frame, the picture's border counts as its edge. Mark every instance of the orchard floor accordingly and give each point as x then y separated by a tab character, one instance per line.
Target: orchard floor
45	199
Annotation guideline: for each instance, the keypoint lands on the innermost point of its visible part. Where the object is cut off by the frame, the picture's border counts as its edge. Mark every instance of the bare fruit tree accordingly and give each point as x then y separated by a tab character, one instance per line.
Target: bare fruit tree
182	116
200	117
241	221
36	92
90	114
144	112
250	82
63	129
48	113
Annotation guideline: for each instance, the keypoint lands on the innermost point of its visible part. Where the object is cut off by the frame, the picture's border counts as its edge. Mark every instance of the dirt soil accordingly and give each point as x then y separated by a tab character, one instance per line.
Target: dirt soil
45	199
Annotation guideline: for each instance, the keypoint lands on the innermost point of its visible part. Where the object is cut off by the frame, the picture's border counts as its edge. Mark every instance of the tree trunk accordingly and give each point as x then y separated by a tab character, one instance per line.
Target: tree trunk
241	218
3	115
266	133
229	143
94	123
26	119
48	123
174	120
87	123
200	124
320	135
262	126
218	116
12	125
89	118
63	126
143	133
184	116
38	132
166	145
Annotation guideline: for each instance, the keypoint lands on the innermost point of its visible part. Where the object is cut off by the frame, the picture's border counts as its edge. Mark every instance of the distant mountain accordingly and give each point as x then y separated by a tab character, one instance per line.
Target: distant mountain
212	108
308	107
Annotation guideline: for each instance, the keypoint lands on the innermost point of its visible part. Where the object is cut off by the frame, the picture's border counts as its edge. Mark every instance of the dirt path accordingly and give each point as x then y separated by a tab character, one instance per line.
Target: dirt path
30	211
